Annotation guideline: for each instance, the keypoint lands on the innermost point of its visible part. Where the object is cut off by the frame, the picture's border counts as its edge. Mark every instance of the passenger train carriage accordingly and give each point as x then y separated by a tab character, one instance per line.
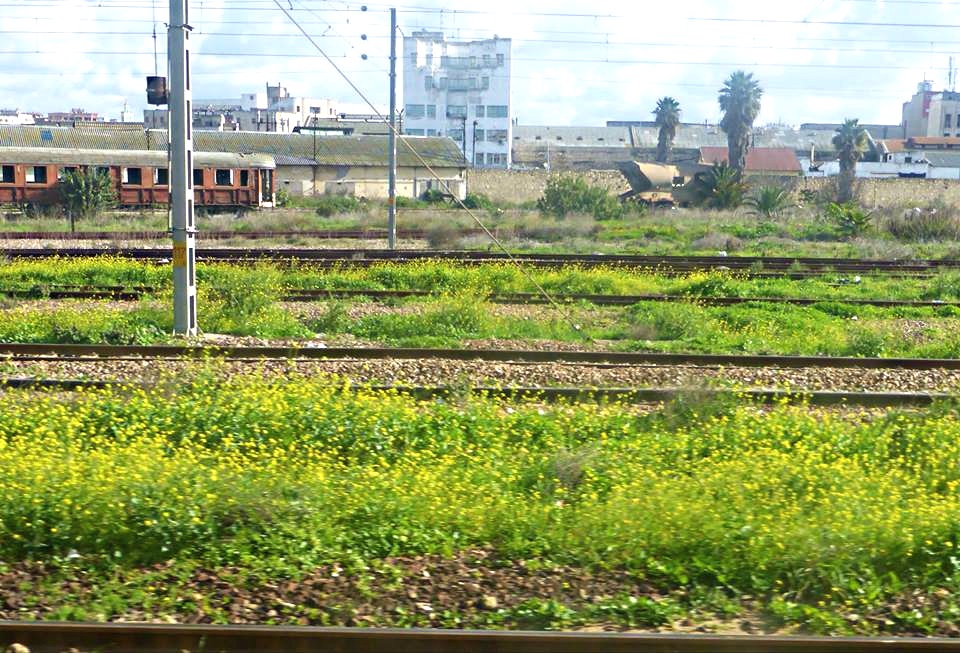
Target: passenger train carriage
141	178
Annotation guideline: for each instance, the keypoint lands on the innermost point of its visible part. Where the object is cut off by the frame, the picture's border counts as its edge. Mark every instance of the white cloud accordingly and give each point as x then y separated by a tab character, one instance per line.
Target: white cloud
810	72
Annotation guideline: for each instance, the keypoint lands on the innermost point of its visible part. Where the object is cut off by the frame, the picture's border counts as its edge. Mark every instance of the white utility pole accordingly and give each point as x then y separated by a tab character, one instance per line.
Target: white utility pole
182	222
392	138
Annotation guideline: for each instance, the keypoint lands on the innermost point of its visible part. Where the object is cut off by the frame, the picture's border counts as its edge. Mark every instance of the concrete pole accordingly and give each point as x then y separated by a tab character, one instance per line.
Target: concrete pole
182	222
392	138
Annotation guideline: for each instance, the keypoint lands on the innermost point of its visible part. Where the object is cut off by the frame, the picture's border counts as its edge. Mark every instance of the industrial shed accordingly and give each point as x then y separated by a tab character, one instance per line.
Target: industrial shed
306	163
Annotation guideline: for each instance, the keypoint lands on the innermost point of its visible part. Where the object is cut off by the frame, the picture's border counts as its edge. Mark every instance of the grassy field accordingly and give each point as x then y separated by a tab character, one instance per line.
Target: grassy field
896	228
163	505
246	301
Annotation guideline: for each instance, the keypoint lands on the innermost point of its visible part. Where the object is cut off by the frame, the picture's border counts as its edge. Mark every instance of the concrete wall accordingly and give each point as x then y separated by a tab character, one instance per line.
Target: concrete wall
525	186
364	181
895	192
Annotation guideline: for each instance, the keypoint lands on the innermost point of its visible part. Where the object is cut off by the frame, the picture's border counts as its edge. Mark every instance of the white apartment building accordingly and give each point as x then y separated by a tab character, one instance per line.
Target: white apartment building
932	113
459	89
16	117
273	111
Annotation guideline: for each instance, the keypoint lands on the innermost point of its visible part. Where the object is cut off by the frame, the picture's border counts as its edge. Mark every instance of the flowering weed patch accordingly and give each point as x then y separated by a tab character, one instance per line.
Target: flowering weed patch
819	515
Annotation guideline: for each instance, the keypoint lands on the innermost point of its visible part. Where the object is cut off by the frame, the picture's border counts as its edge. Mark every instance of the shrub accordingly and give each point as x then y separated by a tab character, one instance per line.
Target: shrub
769	201
850	218
443	236
478	201
330	205
434	196
931	223
282	198
86	192
570	194
721	187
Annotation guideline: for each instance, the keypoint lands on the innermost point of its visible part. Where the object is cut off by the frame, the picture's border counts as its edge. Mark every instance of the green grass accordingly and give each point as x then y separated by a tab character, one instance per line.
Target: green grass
816	515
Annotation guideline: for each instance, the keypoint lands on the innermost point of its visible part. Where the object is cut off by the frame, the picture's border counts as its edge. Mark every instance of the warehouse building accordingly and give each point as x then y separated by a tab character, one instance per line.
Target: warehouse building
307	164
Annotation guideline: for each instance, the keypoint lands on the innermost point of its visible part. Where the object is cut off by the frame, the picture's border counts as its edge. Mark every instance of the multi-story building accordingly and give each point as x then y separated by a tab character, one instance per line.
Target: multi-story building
932	113
16	117
273	111
459	89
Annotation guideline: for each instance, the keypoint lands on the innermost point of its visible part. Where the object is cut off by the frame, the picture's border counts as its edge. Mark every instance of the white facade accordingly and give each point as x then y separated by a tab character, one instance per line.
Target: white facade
459	89
273	111
15	117
932	113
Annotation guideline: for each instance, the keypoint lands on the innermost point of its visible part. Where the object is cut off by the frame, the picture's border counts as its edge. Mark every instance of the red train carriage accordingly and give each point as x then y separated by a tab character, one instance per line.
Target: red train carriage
141	178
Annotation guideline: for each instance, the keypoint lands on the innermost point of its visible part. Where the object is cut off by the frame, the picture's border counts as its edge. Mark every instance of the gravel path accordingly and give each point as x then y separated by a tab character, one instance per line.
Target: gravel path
446	372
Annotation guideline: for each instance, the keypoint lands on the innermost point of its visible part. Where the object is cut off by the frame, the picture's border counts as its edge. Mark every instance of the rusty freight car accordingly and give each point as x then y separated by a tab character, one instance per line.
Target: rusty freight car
140	178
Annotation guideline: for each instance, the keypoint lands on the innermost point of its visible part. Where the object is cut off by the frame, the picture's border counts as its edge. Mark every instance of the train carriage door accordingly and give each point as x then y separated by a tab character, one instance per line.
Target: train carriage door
266	187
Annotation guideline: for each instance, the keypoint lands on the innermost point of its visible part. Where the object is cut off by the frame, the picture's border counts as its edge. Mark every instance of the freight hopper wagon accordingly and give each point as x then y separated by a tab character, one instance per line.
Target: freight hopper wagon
141	178
659	184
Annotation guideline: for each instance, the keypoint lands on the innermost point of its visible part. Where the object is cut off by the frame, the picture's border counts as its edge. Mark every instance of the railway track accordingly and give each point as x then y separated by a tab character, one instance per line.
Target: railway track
44	351
777	266
162	638
550	394
324	234
304	295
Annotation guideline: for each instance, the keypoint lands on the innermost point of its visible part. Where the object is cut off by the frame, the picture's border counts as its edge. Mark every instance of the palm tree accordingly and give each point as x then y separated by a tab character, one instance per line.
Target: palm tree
667	118
851	142
740	102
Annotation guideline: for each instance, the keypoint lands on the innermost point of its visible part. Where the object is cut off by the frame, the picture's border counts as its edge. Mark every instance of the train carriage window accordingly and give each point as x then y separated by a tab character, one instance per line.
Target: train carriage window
161	176
133	176
244	178
63	170
224	178
6	174
36	174
198	177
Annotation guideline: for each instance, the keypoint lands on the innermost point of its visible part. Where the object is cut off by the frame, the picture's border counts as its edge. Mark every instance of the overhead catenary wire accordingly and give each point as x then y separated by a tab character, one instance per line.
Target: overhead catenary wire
536	284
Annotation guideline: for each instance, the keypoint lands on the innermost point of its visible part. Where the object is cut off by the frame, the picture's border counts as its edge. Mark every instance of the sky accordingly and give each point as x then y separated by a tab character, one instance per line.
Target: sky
574	63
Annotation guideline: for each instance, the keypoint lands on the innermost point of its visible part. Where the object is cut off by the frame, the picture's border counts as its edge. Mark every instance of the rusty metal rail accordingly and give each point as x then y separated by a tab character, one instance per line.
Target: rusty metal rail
133	293
107	352
321	234
666	264
162	638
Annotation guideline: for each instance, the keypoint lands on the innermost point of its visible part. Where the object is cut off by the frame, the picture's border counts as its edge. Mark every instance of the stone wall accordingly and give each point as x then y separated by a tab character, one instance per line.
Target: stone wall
893	193
516	187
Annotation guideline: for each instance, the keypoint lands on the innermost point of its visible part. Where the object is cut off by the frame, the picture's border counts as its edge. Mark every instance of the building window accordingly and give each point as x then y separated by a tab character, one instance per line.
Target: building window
414	132
414	111
478	158
500	59
133	176
63	170
443	83
485	82
430	60
161	176
480	111
473	62
36	174
224	178
244	178
948	121
456	111
413	59
487	60
6	174
497	135
497	111
478	134
198	177
428	83
431	111
455	134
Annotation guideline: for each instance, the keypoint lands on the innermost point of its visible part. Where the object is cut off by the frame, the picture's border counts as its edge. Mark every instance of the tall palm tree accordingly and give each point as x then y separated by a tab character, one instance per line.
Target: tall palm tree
740	102
851	142
667	119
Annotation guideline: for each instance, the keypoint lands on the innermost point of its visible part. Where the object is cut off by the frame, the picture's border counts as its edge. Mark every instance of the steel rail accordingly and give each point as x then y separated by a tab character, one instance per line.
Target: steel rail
310	294
548	394
12	350
47	637
759	265
322	234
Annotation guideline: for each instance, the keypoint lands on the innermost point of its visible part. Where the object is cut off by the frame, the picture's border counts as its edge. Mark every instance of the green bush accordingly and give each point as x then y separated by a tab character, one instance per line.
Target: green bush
434	196
769	201
928	224
478	201
721	187
85	192
850	218
282	198
570	194
330	205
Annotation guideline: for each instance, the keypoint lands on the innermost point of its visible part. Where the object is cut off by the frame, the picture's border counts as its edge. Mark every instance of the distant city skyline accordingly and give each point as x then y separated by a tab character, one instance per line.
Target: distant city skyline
571	65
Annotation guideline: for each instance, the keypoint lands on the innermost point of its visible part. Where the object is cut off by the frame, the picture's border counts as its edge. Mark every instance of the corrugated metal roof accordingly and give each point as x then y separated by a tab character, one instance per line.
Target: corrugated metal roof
153	158
573	136
329	150
775	159
941	159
